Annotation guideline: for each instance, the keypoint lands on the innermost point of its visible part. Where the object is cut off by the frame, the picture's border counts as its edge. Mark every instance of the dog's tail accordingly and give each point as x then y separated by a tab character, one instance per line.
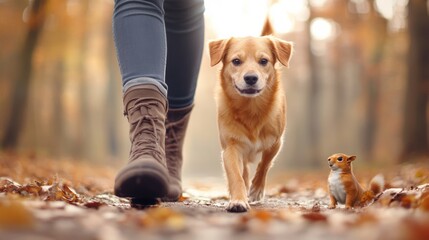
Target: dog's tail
268	28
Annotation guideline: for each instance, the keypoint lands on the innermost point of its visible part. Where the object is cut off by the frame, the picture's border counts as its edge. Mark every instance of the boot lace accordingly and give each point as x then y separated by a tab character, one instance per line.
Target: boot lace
145	137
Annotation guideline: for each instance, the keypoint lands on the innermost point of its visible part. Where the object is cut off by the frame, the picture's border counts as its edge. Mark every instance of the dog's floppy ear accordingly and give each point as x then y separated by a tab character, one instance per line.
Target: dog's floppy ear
217	50
283	50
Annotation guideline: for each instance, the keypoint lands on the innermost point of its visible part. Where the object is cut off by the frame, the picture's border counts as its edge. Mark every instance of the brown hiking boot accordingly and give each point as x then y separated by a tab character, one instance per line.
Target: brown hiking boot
176	124
146	175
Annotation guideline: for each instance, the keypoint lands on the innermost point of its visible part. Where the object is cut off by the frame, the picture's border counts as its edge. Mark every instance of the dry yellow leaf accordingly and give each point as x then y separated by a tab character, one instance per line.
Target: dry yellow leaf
13	214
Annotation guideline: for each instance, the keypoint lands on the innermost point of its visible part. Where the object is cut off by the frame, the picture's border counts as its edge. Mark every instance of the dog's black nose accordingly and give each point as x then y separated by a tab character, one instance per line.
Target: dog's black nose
250	79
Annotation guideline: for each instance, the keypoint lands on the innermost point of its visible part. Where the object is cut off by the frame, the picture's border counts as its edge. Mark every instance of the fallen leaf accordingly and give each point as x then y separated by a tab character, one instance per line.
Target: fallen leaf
421	175
93	204
261	215
364	218
424	204
284	189
13	214
162	218
30	189
316	207
416	229
70	194
182	198
315	217
7	185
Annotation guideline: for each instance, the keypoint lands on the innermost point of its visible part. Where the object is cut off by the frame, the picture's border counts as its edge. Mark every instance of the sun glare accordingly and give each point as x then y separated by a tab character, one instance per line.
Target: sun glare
281	20
285	15
236	18
317	3
387	7
246	18
322	29
360	6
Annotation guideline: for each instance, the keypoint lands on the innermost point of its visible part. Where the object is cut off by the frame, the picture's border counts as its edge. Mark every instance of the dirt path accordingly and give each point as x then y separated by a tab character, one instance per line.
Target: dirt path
70	206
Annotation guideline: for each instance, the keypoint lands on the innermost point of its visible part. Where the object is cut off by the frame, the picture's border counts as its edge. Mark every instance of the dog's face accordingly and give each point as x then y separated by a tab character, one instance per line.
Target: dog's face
249	63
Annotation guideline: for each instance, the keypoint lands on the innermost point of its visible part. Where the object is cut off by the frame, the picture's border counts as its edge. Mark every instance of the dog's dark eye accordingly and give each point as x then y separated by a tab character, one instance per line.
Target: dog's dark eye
263	61
340	159
236	62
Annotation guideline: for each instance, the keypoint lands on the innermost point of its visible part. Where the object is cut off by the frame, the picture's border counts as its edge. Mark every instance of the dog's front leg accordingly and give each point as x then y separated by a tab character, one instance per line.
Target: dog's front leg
246	172
258	183
232	162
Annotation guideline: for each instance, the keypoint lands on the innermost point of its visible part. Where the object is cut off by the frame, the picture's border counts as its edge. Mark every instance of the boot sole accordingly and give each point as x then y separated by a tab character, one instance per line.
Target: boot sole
142	180
174	191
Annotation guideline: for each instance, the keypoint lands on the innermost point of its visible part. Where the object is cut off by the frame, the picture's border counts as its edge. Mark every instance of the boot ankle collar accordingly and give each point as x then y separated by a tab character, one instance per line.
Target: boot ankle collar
142	93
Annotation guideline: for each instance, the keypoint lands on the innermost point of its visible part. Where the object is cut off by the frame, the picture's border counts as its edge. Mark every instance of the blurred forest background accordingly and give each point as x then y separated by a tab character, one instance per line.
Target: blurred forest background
358	81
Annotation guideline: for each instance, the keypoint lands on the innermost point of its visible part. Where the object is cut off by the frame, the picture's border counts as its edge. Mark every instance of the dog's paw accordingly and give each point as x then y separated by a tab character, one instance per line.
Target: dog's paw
256	195
238	206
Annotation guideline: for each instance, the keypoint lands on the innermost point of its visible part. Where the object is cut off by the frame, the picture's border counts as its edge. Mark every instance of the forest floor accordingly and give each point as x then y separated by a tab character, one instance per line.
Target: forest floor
46	199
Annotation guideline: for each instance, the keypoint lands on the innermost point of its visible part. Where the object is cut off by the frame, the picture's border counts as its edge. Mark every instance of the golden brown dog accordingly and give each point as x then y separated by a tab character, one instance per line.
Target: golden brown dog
251	111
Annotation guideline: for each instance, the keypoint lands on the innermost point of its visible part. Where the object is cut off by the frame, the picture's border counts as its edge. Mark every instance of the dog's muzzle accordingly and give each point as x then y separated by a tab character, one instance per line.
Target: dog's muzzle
250	79
250	89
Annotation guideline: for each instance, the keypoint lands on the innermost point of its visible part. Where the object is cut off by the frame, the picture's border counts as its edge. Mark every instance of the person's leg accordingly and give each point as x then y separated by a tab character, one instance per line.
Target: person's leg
140	40
184	22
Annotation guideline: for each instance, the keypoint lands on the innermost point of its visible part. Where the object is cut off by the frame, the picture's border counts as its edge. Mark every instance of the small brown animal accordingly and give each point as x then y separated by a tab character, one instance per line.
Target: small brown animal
343	186
251	111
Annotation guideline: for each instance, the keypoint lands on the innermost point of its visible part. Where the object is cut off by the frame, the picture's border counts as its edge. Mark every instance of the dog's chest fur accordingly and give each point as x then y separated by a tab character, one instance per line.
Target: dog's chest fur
336	186
254	134
260	143
255	139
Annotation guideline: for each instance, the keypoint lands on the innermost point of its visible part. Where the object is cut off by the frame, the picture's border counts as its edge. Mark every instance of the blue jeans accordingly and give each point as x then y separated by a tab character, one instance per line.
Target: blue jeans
160	42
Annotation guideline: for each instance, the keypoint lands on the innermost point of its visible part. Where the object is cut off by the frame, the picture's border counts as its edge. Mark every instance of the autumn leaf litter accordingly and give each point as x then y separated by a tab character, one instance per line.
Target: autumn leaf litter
67	204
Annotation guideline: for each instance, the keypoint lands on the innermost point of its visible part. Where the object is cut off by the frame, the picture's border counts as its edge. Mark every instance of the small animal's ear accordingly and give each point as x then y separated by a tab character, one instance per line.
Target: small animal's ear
217	50
283	50
351	158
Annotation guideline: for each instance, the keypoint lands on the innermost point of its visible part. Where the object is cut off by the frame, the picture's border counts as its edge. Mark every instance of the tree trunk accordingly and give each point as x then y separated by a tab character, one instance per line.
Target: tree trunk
57	131
415	122
111	103
22	78
377	41
313	101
